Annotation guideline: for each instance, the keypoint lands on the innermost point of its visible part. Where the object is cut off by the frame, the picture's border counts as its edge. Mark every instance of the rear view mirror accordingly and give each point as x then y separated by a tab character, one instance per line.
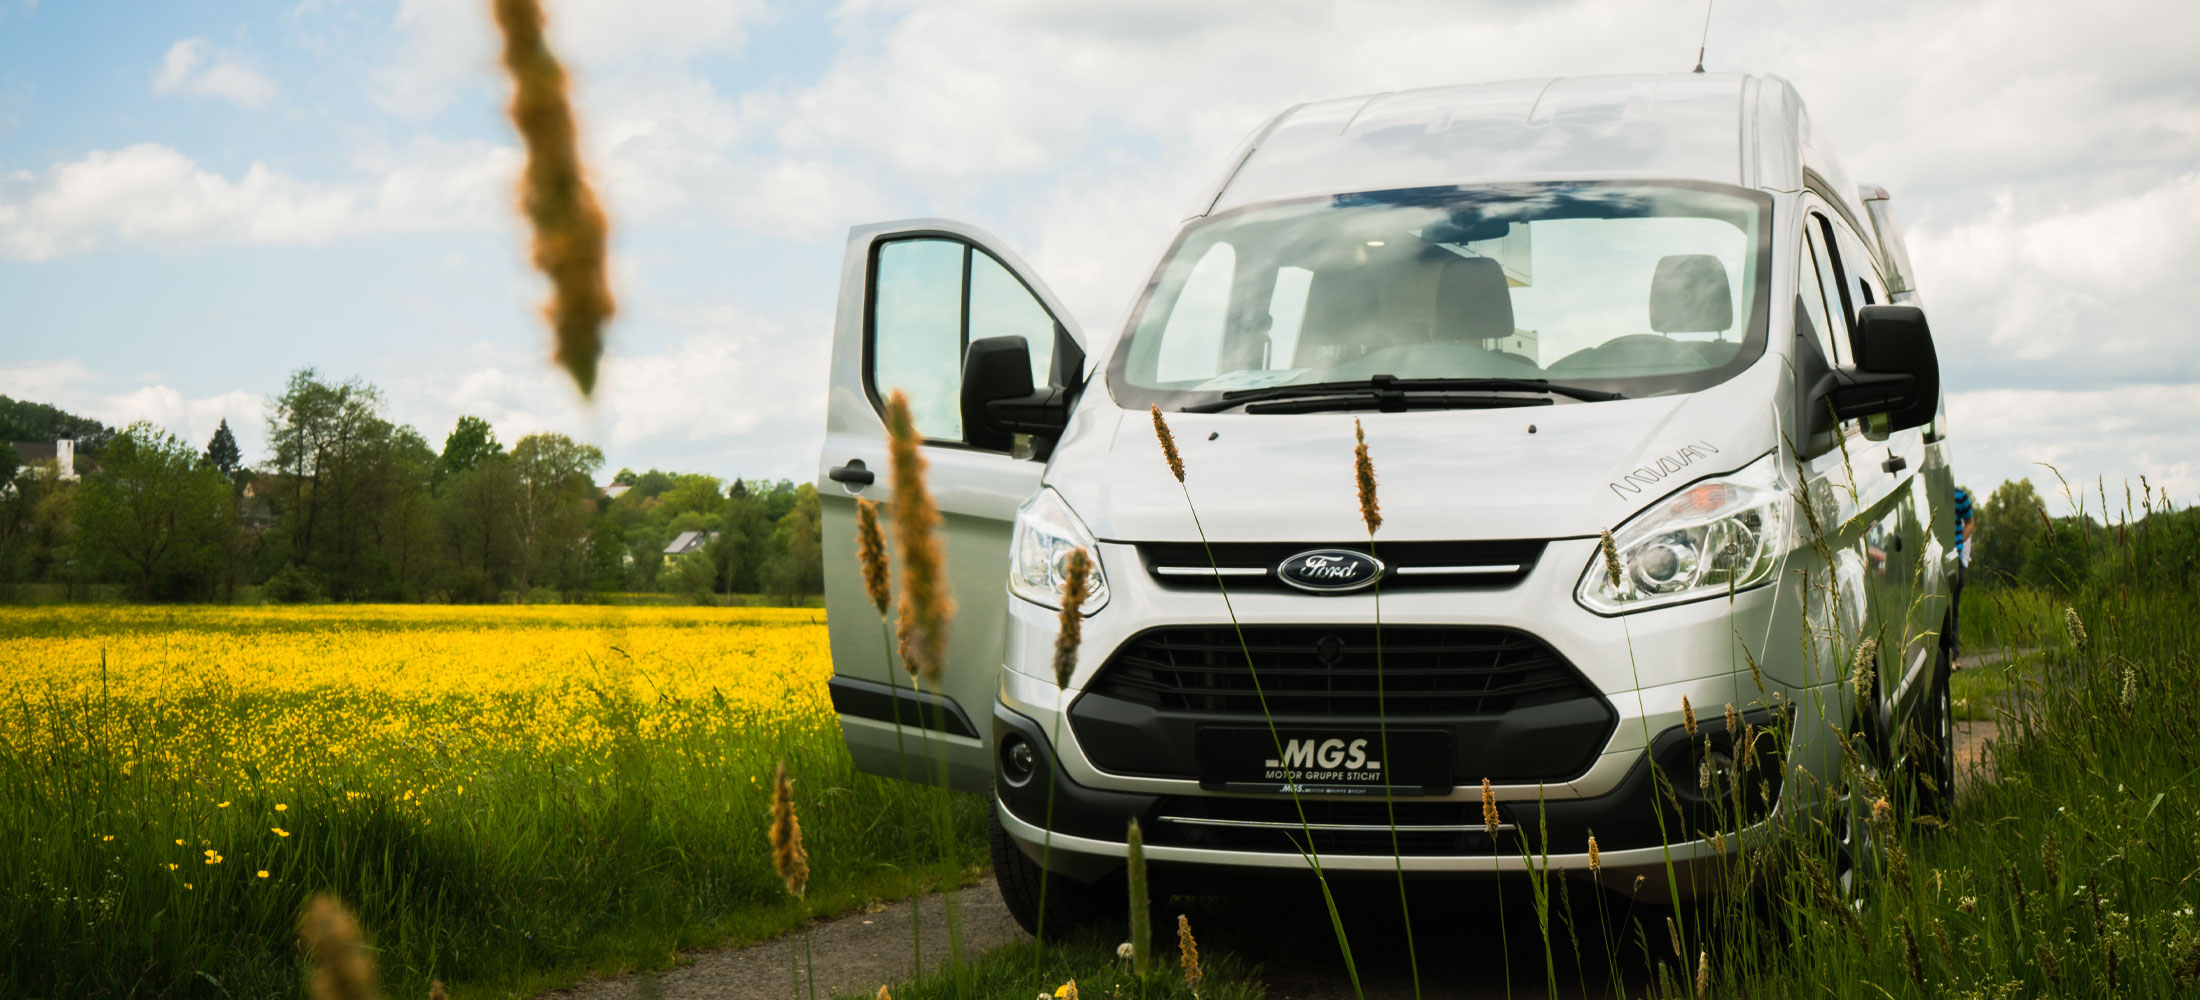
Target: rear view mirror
999	400
1897	372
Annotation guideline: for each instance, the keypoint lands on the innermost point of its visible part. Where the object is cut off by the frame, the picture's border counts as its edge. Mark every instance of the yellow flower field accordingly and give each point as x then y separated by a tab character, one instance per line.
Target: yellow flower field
336	684
496	789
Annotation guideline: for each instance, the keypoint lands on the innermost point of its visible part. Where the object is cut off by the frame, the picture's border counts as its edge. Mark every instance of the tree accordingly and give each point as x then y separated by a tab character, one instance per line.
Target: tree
23	420
554	489
469	444
159	514
2005	529
222	452
797	567
11	462
476	512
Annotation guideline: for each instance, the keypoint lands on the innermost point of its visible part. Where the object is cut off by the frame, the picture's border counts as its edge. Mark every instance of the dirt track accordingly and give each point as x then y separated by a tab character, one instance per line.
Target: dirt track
1458	946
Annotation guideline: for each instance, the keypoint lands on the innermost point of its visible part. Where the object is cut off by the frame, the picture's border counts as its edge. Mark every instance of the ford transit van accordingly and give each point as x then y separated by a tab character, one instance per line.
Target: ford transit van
1649	305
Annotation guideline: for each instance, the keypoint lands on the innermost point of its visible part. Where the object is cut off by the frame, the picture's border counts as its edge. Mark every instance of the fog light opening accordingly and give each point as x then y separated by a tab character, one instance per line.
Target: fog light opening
1018	761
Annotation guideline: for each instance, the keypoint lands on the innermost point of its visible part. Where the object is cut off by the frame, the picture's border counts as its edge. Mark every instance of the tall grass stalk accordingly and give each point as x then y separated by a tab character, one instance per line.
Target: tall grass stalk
1371	514
1175	461
925	613
1069	635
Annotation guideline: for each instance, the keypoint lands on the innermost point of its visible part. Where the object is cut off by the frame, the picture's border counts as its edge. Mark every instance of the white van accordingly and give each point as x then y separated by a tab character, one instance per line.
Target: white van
1649	304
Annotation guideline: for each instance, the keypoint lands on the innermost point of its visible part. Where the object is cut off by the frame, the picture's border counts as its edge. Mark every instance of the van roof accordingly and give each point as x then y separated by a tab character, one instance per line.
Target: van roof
1730	128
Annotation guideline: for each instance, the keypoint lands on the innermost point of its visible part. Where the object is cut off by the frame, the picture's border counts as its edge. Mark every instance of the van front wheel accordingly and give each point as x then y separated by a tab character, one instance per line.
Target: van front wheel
1068	904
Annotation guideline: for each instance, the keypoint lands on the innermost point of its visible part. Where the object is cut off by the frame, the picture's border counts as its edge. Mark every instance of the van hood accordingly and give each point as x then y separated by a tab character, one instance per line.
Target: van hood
1532	472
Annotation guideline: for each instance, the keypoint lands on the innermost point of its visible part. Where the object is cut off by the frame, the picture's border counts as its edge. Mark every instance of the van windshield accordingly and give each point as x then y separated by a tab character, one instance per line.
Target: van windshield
1638	289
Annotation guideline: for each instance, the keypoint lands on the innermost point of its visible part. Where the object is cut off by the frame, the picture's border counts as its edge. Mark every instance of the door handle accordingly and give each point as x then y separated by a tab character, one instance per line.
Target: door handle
852	474
1894	463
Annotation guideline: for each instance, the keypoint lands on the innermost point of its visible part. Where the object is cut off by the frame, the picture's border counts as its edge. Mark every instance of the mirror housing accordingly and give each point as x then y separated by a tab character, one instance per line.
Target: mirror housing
1897	372
999	401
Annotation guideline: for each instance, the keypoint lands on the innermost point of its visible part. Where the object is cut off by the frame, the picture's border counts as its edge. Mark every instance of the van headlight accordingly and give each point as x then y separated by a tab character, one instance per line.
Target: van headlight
1713	537
1046	532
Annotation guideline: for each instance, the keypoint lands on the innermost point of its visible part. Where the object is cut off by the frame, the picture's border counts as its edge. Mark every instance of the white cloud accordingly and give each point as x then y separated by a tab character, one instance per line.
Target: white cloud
151	193
2106	434
734	395
191	68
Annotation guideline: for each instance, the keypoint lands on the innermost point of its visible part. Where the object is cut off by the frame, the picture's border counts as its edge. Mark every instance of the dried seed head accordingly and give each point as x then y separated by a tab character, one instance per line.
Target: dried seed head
1703	974
436	990
1168	445
1489	808
926	607
1637	888
1882	812
788	858
343	967
1594	863
1673	933
1703	773
871	552
2075	626
569	226
1076	587
883	994
1688	716
1749	747
1611	558
2130	696
1363	470
1733	722
1865	667
1188	952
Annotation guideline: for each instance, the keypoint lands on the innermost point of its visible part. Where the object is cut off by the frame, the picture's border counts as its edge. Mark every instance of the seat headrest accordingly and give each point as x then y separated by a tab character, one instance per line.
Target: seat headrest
1689	294
1472	299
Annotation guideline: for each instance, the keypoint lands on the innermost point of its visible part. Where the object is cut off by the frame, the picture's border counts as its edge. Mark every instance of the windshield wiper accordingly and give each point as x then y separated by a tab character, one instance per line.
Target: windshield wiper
1394	402
1381	386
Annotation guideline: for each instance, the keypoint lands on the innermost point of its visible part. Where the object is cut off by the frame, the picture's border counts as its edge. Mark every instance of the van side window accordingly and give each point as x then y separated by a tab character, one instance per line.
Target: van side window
930	296
1822	297
1862	271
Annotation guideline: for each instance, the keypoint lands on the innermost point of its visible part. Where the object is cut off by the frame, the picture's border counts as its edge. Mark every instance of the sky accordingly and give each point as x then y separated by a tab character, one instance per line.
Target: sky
198	198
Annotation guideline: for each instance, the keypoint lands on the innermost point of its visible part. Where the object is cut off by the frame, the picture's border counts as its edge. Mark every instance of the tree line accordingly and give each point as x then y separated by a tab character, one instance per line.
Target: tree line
352	506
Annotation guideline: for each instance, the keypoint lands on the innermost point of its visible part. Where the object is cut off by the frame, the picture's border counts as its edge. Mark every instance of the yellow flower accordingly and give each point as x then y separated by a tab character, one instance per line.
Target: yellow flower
279	831
279	807
187	885
179	842
106	838
263	873
221	805
171	866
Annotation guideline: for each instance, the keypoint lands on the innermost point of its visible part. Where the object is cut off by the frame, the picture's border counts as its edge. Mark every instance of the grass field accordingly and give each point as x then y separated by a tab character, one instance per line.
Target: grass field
507	795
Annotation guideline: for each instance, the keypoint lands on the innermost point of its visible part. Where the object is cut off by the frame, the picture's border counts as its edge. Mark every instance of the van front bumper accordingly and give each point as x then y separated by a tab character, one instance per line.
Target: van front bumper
1639	844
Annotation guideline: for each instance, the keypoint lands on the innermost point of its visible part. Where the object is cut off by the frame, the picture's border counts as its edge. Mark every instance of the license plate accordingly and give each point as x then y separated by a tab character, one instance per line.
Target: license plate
1329	761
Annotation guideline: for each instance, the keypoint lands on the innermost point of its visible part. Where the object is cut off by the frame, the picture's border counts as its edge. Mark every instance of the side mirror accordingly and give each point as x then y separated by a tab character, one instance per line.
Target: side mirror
1897	372
999	401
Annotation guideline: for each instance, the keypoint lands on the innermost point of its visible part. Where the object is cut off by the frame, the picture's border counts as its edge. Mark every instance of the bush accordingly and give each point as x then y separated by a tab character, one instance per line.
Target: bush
291	585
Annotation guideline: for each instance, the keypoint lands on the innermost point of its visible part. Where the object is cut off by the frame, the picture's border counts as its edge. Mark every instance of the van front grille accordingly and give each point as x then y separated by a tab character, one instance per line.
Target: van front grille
1329	671
1251	566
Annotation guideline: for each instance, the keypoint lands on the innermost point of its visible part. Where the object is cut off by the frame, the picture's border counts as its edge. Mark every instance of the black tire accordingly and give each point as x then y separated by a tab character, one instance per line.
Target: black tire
1070	905
1931	761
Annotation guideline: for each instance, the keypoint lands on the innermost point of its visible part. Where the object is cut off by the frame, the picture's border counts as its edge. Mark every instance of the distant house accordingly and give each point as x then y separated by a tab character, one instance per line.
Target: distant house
61	453
688	541
613	491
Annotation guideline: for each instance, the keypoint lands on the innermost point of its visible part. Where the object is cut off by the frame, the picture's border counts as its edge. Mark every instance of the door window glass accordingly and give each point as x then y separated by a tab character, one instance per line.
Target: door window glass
917	331
1000	306
1835	302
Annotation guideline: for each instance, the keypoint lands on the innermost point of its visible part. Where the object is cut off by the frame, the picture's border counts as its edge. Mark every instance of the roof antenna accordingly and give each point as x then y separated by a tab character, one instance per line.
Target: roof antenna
1706	35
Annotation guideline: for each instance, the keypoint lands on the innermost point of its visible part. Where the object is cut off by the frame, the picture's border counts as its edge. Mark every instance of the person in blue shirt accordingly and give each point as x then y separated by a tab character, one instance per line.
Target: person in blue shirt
1964	538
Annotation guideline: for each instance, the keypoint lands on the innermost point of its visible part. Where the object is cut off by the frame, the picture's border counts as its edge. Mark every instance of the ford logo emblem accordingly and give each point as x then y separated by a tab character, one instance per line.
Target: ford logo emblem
1330	571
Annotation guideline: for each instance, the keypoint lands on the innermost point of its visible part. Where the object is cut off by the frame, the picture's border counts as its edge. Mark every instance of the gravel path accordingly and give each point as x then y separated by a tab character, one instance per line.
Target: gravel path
853	953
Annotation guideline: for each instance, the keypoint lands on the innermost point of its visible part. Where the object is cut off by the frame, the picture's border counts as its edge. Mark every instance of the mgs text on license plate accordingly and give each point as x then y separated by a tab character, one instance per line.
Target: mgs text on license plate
1249	759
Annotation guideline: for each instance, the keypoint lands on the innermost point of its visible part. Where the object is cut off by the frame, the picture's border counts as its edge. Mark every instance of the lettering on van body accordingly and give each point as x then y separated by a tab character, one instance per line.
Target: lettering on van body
1631	485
